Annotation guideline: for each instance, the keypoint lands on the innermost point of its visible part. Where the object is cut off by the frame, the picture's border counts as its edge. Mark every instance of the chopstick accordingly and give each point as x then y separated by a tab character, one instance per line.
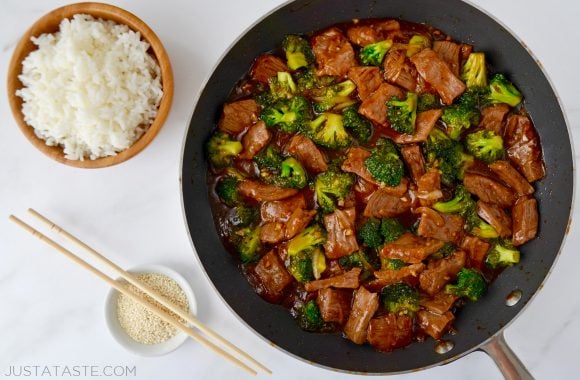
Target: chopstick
147	290
120	287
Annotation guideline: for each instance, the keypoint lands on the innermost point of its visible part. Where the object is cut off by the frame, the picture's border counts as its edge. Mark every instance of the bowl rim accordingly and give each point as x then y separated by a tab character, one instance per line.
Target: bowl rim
107	12
123	339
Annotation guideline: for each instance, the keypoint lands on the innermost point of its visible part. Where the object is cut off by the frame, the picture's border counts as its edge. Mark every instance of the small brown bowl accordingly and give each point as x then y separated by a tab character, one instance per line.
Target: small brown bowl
49	23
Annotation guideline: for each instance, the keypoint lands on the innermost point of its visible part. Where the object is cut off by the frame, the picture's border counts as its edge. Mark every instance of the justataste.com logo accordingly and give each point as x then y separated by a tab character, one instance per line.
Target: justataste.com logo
70	371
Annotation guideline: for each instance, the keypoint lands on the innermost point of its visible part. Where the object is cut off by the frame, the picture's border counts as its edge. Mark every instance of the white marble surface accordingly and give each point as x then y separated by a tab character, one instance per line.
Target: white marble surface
51	312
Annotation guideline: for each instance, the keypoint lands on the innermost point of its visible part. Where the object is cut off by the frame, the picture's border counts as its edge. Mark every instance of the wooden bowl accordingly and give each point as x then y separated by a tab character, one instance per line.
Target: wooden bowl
50	24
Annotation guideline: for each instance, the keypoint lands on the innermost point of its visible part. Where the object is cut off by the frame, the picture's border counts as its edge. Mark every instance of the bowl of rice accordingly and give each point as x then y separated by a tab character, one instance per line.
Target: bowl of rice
90	85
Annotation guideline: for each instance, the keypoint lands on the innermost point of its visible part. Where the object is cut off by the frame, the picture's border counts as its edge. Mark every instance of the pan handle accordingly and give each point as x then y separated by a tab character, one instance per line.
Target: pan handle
506	360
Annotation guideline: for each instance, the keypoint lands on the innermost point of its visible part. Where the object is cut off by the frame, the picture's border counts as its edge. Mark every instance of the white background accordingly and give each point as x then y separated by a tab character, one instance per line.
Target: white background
51	312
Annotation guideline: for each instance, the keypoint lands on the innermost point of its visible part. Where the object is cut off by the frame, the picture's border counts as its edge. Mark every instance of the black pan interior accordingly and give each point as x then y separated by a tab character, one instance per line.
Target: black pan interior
476	322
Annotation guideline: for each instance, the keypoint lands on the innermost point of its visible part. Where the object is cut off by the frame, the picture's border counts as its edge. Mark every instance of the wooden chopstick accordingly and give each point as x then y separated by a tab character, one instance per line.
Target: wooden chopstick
147	290
124	290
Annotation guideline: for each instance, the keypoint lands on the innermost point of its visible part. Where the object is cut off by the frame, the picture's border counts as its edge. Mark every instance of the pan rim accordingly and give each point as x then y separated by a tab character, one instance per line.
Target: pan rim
443	361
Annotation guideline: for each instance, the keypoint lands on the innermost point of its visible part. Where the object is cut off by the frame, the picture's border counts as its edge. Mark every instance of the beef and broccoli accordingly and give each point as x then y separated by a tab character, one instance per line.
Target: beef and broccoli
373	178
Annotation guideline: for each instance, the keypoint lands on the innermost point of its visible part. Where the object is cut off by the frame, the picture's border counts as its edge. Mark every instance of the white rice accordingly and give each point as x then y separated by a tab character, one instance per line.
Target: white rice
91	87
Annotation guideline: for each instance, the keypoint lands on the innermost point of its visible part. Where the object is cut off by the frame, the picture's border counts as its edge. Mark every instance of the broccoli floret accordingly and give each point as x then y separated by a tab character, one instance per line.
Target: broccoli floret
282	86
332	187
227	190
459	204
482	229
447	249
307	240
403	113
391	229
384	163
502	254
485	145
249	246
288	114
309	317
417	43
474	72
373	54
318	263
459	117
243	216
392	264
298	52
333	96
222	149
269	158
470	284
501	90
307	80
447	155
300	266
360	127
400	298
328	130
428	101
292	174
370	233
360	260
473	98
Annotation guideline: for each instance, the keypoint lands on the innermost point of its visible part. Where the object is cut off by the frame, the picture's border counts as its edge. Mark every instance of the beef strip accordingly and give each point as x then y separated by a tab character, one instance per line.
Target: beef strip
451	230
476	249
366	78
439	303
488	190
525	220
440	272
364	189
409	274
495	216
298	221
382	204
429	187
238	115
374	107
355	163
263	192
493	117
272	232
450	53
307	153
411	248
389	332
435	325
364	306
341	235
523	147
334	54
255	140
423	126
280	211
273	277
438	74
266	66
398	70
367	34
347	280
511	177
334	304
414	160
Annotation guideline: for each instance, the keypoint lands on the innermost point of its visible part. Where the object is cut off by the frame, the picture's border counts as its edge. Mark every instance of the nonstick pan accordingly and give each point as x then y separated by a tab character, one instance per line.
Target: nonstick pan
480	324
